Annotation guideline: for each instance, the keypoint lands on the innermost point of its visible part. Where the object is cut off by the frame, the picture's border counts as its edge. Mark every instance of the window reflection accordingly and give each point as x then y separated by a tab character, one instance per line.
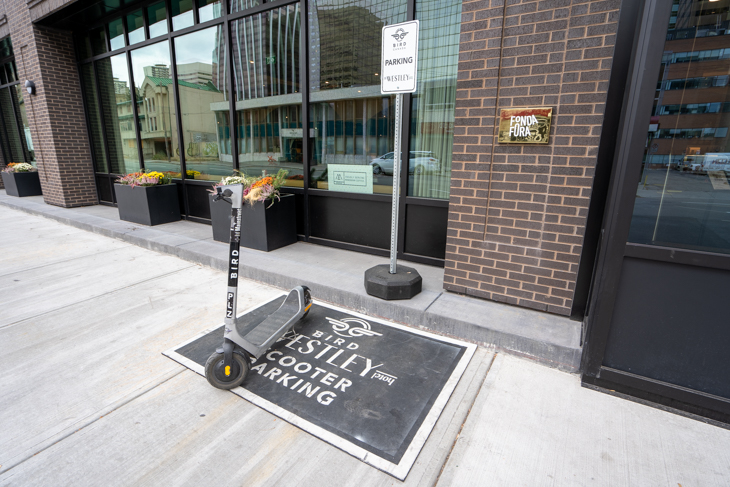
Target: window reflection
209	10
352	123
116	106
116	34
201	84
683	196
432	106
135	27
182	14
8	117
23	119
238	5
157	18
92	106
156	107
268	97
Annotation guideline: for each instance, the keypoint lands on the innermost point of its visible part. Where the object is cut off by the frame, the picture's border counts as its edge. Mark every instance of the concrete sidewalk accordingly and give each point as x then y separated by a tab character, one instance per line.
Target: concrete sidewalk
87	398
336	276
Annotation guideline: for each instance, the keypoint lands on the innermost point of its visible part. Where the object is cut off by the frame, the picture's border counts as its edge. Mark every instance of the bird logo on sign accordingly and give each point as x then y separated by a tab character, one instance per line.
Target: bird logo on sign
400	34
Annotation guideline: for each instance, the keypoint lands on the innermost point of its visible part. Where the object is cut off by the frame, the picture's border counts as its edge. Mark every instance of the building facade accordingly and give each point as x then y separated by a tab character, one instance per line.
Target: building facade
618	221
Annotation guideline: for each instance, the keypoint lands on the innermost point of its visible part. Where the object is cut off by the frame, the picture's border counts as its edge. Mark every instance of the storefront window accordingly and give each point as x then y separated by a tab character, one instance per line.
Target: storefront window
9	115
238	5
116	34
157	18
683	196
135	27
209	10
116	106
268	98
24	124
432	106
352	123
92	106
182	14
204	107
156	107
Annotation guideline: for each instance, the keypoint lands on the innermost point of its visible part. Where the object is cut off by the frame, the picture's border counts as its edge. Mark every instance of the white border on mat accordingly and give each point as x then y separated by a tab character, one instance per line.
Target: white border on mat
399	470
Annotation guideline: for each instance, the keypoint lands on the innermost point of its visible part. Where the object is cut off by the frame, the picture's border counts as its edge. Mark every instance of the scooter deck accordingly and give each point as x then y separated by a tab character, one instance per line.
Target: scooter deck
263	335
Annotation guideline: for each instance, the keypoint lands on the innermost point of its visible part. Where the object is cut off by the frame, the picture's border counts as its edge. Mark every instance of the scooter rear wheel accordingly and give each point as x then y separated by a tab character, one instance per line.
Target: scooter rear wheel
215	371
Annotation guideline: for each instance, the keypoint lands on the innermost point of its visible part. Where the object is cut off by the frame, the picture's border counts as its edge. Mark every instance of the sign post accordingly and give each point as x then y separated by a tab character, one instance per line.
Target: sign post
398	75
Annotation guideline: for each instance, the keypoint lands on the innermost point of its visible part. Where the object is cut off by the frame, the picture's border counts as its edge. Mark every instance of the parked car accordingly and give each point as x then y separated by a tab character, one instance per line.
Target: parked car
420	162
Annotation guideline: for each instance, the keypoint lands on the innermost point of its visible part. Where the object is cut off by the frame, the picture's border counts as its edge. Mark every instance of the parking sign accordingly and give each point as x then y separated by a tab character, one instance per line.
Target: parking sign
399	58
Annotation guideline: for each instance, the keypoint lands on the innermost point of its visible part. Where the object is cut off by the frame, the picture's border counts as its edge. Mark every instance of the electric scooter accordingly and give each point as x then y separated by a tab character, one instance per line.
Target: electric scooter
228	366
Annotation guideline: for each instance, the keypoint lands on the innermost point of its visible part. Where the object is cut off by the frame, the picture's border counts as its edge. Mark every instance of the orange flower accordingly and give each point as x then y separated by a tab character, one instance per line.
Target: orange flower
263	182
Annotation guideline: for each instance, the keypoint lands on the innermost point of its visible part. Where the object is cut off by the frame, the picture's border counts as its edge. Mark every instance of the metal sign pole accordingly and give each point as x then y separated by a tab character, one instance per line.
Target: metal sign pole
396	185
398	75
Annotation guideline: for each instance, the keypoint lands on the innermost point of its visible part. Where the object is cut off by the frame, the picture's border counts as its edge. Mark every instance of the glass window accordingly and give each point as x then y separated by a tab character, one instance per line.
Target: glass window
238	5
135	27
6	48
432	106
156	107
97	41
683	196
9	118
157	18
24	124
116	34
182	14
92	107
201	84
268	97
352	123
11	72
116	108
209	10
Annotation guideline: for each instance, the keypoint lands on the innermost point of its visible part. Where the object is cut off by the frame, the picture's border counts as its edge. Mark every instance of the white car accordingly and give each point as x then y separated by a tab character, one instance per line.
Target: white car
420	162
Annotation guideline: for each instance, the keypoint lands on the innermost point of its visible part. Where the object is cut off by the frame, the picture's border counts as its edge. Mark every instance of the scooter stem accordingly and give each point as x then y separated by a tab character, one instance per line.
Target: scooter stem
233	252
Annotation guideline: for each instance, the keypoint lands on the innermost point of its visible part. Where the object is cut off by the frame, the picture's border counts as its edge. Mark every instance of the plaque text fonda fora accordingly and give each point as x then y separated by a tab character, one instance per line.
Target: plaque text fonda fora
525	125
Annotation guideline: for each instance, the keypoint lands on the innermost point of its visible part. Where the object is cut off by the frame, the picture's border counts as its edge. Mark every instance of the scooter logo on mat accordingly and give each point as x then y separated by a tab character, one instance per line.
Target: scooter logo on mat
344	328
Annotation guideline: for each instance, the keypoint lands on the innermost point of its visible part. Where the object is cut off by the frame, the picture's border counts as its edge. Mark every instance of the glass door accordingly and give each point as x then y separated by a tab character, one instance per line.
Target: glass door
659	327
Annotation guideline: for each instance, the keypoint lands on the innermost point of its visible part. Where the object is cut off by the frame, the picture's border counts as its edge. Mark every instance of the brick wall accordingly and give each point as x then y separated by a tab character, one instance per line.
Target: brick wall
55	113
517	212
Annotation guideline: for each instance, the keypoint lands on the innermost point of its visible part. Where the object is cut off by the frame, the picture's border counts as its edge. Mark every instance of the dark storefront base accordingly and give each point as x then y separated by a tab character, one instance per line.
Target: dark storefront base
352	222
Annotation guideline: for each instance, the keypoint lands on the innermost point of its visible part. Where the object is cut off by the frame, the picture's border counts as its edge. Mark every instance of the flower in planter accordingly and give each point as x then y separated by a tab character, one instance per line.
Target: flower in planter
144	179
19	167
257	189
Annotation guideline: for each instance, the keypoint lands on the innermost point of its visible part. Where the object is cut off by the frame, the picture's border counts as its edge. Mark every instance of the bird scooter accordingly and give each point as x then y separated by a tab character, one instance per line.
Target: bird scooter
228	366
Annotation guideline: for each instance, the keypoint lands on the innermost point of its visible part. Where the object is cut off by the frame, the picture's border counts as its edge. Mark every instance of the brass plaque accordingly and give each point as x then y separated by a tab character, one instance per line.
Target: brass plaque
525	125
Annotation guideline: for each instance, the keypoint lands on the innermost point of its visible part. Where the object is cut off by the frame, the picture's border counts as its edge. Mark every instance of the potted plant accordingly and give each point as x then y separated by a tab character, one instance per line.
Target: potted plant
21	179
268	217
147	198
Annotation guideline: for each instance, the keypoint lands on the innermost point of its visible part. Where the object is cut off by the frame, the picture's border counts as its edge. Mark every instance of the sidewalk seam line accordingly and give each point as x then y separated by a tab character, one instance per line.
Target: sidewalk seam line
91	419
126	244
95	297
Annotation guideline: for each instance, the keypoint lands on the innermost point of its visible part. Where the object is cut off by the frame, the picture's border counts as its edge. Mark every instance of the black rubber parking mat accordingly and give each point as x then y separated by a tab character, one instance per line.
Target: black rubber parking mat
369	387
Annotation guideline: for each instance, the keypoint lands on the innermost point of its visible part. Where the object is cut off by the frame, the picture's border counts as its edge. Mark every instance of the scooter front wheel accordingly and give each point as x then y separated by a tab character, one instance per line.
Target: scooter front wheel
215	371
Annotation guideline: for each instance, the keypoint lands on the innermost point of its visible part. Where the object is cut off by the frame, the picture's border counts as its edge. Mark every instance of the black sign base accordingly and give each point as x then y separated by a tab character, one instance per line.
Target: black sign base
371	388
404	284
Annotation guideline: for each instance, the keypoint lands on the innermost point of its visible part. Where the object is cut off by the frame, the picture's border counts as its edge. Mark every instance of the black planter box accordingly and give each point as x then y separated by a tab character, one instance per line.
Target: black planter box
262	228
148	205
22	183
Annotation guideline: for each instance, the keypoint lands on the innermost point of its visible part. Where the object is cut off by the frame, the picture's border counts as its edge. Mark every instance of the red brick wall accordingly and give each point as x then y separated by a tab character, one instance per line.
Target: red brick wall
55	113
517	212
